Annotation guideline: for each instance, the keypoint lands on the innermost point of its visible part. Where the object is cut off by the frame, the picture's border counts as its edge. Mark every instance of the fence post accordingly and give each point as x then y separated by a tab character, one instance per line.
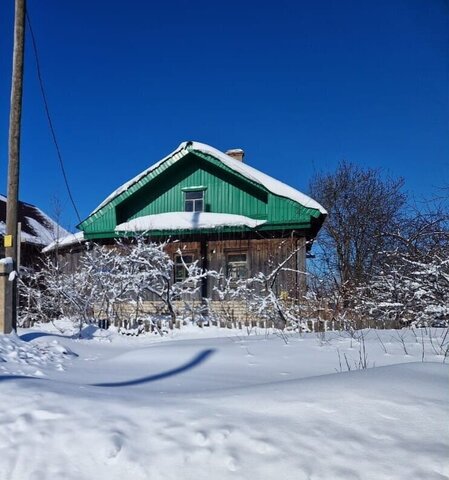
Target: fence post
6	293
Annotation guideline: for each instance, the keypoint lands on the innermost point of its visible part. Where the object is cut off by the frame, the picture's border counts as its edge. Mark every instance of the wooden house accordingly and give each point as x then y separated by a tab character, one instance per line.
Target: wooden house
221	211
37	230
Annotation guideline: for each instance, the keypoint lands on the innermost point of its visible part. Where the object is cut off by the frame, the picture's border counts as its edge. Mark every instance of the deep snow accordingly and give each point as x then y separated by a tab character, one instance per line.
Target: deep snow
218	404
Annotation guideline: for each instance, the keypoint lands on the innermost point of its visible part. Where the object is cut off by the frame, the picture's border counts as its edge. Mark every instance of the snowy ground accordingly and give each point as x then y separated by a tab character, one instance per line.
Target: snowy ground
218	404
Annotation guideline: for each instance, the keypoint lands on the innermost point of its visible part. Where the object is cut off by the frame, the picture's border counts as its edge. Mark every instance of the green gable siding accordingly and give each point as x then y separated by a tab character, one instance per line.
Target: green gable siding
284	210
104	219
223	193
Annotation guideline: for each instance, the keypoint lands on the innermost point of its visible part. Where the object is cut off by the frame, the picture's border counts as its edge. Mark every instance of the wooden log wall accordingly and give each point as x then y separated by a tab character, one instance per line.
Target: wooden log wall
263	255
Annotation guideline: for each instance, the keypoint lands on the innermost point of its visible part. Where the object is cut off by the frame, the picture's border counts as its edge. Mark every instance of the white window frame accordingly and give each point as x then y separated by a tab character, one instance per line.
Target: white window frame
197	203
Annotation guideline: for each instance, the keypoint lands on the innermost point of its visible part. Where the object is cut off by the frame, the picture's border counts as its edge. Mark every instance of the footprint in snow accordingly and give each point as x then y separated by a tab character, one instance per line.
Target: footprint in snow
116	445
232	463
201	438
220	436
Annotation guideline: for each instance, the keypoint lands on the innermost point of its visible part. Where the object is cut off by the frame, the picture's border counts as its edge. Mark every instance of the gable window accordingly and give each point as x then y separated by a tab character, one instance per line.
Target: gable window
236	265
194	201
181	262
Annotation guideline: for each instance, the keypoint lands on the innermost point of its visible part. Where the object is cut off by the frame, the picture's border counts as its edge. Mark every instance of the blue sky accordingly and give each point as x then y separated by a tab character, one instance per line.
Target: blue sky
299	85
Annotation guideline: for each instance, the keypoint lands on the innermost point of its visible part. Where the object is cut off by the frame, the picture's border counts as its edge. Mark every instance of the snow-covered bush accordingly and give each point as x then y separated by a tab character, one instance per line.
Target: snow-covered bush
412	284
50	293
151	269
111	282
262	298
37	301
408	291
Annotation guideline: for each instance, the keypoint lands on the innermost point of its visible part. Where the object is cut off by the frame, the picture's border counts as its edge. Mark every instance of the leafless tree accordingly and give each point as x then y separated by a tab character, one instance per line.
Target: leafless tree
261	296
362	206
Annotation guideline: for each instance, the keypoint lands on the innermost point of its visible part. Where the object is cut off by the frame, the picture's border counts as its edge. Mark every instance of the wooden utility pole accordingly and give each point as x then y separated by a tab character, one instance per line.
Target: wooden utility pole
11	238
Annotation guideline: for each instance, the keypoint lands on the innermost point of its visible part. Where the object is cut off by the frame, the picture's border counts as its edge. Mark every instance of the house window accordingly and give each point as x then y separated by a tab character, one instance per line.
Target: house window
236	266
194	201
181	262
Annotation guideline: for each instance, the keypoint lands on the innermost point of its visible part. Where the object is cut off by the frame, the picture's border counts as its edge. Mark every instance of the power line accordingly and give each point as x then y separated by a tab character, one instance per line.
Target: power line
47	111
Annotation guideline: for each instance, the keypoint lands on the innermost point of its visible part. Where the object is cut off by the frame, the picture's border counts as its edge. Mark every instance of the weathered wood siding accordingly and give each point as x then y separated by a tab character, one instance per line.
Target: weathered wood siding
263	255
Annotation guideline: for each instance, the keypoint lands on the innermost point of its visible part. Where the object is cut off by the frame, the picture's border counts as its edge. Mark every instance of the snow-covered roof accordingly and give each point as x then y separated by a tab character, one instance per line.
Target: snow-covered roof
70	239
37	227
187	221
166	221
271	184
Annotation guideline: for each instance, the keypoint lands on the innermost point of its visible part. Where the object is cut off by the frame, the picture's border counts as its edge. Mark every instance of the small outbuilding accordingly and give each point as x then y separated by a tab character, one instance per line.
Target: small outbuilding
37	230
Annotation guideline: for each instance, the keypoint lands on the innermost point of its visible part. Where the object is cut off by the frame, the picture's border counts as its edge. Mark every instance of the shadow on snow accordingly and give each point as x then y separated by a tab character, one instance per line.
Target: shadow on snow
28	337
200	358
87	333
197	360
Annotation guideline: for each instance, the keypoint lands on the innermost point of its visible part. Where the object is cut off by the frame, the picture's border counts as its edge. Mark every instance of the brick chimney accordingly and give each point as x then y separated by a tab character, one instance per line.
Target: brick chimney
236	153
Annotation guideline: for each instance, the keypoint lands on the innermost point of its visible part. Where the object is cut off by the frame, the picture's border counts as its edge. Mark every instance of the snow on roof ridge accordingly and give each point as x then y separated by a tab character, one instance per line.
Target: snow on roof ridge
271	184
42	232
135	179
71	239
37	228
53	227
187	221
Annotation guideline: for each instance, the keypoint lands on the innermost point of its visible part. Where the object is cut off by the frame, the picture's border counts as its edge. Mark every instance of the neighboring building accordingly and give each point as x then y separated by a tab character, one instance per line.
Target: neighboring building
37	231
219	210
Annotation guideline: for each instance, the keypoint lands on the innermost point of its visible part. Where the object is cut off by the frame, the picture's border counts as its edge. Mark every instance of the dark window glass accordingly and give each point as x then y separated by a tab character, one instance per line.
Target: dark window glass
236	266
180	267
193	201
237	257
197	194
